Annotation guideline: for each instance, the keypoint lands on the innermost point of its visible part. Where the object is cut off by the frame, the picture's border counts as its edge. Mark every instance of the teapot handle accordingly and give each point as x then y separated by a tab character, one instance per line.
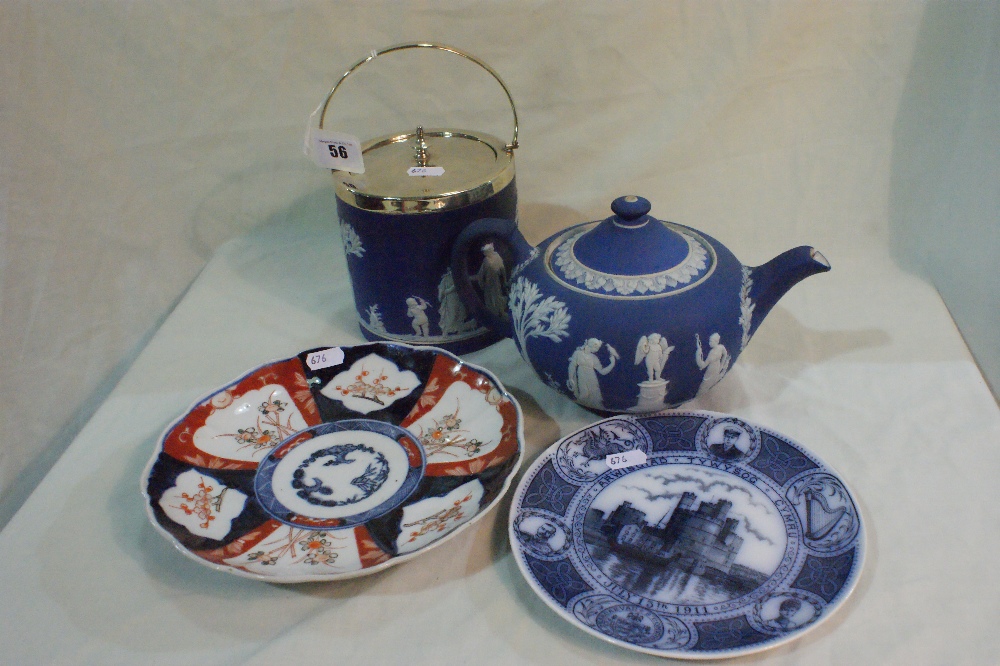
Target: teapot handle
481	261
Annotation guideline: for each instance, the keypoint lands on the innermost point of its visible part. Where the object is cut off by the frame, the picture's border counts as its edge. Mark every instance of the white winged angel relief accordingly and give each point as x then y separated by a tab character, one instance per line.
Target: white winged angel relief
655	350
416	310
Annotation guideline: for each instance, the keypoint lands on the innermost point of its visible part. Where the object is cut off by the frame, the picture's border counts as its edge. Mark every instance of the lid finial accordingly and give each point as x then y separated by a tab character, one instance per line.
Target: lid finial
420	149
630	210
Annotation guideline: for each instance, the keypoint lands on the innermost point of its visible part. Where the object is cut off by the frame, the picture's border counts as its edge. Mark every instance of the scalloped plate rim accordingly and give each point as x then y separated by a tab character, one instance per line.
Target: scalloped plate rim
393	561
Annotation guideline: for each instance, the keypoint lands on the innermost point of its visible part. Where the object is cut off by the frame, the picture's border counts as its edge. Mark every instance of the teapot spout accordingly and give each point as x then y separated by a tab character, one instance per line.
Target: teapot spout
771	281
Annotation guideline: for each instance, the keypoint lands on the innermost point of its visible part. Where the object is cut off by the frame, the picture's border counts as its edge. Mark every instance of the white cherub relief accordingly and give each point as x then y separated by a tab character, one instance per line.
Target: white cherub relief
416	309
655	350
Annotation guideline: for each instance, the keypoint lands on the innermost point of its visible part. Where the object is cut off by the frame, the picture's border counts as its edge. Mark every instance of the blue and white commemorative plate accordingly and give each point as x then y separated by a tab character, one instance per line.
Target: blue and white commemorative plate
721	538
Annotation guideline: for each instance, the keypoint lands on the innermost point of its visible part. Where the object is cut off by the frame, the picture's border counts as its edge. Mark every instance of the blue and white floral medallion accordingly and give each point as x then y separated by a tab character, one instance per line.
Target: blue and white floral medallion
691	535
341	474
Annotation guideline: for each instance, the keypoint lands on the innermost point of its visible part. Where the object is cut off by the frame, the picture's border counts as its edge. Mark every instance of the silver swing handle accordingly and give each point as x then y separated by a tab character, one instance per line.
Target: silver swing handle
424	45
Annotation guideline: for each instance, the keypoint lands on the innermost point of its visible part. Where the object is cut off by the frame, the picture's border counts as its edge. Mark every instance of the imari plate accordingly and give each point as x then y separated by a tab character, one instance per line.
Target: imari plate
692	535
334	463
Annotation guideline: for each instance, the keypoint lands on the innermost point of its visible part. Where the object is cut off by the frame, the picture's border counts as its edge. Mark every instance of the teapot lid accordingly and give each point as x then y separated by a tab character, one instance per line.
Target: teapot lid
630	254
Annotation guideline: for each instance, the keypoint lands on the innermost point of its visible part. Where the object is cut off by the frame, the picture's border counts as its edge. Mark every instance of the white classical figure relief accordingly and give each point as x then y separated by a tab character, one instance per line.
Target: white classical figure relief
655	350
715	363
453	316
535	315
492	279
351	240
584	366
416	310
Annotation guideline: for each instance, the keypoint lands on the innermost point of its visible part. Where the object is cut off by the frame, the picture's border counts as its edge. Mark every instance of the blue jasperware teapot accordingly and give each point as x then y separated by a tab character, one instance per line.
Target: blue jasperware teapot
628	314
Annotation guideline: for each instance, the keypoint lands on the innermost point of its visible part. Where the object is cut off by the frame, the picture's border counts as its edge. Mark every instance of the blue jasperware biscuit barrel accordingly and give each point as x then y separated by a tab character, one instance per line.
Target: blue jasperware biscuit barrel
399	220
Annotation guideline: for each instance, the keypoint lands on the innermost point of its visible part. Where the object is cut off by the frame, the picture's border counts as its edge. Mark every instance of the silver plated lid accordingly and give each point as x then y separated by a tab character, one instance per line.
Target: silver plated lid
468	166
476	166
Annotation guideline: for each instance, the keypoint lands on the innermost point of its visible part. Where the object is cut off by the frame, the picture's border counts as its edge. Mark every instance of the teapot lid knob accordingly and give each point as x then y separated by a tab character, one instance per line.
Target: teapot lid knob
630	209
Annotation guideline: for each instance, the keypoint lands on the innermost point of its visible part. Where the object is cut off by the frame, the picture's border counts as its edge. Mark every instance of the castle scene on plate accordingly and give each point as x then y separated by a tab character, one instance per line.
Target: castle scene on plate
302	470
685	534
718	538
